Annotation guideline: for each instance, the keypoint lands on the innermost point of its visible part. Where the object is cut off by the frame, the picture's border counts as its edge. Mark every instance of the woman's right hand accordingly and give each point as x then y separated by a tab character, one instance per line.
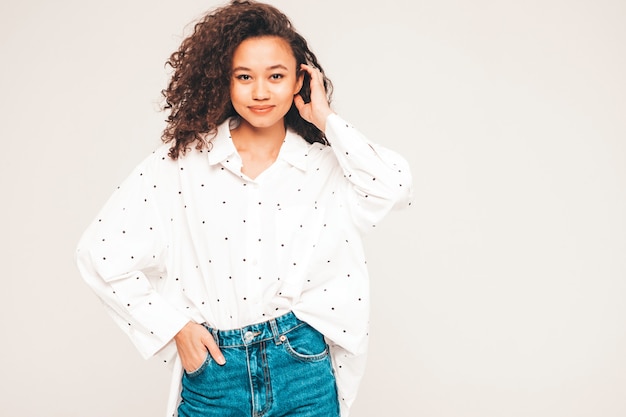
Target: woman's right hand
193	341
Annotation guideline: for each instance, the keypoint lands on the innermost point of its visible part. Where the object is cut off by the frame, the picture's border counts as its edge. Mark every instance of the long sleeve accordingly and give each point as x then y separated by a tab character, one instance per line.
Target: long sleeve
195	239
378	178
366	182
121	257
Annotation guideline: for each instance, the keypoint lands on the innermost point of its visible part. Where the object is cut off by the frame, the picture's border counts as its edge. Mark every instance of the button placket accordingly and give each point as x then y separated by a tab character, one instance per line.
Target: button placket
253	232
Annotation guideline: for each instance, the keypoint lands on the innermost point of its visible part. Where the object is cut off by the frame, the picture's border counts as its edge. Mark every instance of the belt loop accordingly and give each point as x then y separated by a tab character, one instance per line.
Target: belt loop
275	333
215	336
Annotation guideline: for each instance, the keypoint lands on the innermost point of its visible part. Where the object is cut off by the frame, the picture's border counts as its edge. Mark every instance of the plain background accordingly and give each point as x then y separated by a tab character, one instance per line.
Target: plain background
499	293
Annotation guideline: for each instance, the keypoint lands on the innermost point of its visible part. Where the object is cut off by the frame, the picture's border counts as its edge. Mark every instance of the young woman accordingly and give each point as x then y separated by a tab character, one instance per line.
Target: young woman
234	250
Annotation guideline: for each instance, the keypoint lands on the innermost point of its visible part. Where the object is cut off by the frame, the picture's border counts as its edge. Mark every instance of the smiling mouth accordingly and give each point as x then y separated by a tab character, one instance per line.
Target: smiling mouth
260	109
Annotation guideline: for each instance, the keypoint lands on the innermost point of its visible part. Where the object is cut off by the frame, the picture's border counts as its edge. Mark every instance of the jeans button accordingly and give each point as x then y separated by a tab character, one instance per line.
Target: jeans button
248	336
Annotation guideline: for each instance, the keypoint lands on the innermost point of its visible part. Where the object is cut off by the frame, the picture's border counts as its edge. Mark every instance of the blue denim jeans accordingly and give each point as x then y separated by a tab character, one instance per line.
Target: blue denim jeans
277	368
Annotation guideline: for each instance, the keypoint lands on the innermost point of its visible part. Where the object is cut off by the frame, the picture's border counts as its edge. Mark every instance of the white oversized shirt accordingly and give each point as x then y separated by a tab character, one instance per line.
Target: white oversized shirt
195	239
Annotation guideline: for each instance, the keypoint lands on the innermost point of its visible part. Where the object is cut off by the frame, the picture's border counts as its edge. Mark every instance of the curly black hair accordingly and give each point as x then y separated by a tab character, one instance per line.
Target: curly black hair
198	95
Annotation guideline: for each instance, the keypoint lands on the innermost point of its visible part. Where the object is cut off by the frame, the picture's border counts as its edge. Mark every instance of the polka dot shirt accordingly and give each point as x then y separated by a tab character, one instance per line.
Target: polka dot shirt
195	239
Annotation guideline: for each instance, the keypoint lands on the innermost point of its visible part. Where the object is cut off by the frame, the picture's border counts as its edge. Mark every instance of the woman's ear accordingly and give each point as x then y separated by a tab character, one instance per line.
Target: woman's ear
304	85
299	81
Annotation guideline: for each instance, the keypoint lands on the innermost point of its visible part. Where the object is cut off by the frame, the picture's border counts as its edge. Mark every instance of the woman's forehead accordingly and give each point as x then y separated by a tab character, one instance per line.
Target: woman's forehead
263	52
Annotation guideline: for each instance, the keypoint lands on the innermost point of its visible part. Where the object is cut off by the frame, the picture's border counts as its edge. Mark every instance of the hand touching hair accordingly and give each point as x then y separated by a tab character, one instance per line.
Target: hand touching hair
198	95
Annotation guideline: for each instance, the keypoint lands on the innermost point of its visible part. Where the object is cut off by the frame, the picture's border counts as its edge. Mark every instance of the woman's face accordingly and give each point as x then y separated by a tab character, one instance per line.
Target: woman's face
264	81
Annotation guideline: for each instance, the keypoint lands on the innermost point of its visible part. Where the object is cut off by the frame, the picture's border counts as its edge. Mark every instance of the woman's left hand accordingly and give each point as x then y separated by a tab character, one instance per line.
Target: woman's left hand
317	110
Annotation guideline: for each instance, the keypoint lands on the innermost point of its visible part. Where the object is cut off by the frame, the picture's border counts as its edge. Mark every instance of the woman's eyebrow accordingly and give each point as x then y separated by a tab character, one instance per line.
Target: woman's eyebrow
278	66
273	67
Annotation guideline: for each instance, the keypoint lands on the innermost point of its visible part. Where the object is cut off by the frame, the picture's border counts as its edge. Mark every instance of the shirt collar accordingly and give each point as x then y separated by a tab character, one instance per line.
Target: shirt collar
221	146
293	150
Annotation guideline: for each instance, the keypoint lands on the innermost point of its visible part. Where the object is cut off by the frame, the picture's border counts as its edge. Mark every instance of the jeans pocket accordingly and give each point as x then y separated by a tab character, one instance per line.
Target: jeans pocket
201	368
305	344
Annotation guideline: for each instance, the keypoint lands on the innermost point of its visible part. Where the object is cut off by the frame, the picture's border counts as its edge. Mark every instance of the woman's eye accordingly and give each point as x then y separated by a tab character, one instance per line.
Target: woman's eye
276	76
243	77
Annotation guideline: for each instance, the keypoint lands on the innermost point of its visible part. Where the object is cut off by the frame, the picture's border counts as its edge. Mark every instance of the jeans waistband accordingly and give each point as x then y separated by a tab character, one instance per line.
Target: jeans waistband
268	330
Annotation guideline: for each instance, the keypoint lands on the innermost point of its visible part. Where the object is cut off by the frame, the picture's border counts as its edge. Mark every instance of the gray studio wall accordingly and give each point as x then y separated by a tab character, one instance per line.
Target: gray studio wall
499	293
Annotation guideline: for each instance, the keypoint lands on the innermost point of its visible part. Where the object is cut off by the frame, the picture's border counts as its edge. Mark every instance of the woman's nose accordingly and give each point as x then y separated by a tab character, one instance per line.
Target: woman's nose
260	90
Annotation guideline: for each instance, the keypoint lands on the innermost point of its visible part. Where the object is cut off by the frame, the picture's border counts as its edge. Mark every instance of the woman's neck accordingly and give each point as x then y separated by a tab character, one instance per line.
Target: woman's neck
256	139
257	147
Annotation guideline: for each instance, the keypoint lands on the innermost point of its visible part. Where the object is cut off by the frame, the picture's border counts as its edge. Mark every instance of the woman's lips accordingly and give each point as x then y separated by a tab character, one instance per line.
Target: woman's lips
260	109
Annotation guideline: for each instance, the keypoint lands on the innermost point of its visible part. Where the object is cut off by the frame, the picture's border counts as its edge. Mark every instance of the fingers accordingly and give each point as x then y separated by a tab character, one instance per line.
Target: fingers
190	349
192	342
213	349
311	70
316	75
318	109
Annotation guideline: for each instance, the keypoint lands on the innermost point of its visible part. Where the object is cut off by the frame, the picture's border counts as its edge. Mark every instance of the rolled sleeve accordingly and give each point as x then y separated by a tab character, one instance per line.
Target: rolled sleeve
121	257
378	179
